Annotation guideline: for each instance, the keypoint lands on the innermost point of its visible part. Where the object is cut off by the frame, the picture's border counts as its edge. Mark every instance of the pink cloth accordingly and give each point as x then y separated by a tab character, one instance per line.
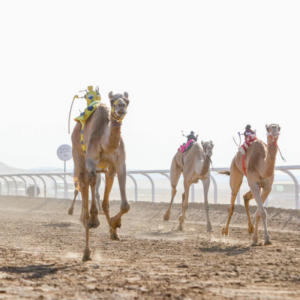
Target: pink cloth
182	148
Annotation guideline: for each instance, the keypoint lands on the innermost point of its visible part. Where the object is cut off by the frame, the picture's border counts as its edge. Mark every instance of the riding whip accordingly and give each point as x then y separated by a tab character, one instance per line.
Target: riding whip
76	96
240	140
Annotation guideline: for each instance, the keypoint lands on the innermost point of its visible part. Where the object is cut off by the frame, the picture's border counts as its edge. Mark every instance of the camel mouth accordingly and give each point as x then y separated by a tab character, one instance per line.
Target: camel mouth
209	154
121	113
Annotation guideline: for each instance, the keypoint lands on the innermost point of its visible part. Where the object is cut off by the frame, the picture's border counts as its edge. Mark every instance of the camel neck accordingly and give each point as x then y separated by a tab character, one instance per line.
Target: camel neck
270	160
205	166
115	135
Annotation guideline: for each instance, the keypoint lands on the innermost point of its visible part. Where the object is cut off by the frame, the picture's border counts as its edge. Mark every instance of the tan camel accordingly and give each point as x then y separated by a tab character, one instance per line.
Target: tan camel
76	191
105	153
194	165
260	163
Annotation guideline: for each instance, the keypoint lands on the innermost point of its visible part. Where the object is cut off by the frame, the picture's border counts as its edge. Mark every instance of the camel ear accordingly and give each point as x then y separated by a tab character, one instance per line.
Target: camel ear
126	98
267	127
278	128
202	144
212	143
110	95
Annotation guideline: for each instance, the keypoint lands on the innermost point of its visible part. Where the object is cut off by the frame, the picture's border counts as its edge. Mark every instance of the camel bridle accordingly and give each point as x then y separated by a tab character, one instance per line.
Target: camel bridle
114	115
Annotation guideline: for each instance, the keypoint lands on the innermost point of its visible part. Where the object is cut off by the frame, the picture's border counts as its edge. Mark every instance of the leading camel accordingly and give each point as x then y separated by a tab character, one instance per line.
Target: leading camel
194	165
105	153
259	166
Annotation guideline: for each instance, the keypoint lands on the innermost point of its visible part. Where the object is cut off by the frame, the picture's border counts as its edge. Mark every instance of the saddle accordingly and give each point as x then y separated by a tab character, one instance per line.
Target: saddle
186	147
84	116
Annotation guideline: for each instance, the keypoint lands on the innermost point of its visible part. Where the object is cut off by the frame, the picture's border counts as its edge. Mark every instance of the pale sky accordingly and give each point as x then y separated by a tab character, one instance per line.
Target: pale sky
208	66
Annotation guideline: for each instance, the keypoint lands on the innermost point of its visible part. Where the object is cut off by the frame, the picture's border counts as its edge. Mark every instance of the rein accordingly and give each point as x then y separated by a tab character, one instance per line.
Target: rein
276	145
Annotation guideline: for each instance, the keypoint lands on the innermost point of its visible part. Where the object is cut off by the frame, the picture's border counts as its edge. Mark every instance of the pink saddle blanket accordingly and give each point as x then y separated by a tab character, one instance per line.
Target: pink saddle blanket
182	148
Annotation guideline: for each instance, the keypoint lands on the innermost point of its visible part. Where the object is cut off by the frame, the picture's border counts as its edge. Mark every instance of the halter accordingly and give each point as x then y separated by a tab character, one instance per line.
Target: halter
114	115
210	160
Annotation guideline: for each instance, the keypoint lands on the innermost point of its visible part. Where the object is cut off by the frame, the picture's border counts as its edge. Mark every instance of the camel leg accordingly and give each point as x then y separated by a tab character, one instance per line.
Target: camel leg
91	165
260	213
98	183
185	204
206	184
175	175
84	189
71	209
264	196
115	222
109	181
247	197
236	179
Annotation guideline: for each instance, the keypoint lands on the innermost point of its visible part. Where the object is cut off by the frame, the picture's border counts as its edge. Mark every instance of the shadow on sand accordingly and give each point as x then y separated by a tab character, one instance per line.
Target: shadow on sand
230	250
36	271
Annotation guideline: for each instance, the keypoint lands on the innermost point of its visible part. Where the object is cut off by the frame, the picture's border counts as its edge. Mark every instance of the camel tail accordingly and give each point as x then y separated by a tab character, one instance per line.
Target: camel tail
224	173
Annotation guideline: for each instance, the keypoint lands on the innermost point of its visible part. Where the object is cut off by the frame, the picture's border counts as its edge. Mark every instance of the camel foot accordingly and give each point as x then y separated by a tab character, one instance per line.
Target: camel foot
70	211
225	231
166	216
251	229
115	222
180	227
86	255
267	243
256	244
113	235
93	222
209	227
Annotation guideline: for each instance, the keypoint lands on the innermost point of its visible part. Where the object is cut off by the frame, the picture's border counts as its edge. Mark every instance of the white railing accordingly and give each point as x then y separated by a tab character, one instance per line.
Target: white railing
130	174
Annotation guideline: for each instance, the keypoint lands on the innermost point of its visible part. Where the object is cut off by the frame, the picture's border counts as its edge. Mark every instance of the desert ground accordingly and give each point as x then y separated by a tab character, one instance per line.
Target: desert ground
42	246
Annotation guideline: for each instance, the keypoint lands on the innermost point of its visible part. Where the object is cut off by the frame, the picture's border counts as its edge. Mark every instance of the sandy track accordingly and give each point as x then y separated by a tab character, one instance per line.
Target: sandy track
41	250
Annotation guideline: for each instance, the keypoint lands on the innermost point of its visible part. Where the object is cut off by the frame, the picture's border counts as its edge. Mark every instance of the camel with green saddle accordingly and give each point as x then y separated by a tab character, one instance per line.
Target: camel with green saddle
258	166
195	166
99	147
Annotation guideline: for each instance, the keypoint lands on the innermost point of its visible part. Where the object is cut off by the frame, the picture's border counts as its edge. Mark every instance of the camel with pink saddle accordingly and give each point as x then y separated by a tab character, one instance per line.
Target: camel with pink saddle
257	164
194	165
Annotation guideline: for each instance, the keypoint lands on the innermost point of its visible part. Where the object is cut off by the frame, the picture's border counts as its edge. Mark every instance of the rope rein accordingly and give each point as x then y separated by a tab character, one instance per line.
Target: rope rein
276	145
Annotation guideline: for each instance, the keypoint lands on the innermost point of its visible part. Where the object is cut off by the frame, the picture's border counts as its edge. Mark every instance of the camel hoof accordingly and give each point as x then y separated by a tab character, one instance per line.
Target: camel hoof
166	217
224	231
254	244
86	255
113	235
251	229
70	211
267	243
93	222
115	223
180	227
209	227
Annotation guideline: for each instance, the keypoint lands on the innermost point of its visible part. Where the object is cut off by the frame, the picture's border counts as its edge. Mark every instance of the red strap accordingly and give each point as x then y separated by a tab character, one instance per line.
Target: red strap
244	166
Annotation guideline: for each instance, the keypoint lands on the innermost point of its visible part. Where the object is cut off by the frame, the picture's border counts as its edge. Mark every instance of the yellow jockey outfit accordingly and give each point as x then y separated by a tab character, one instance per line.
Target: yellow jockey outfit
93	101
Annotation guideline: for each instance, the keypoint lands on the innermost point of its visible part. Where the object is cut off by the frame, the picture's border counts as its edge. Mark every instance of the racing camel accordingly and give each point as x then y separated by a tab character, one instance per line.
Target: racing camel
105	153
194	165
258	166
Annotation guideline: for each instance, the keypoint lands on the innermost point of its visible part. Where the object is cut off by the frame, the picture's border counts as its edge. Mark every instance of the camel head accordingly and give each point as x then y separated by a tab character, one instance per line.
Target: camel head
207	147
273	131
119	104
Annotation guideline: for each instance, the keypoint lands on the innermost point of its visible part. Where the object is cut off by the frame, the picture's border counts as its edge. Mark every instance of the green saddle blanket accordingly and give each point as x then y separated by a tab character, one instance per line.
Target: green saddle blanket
87	112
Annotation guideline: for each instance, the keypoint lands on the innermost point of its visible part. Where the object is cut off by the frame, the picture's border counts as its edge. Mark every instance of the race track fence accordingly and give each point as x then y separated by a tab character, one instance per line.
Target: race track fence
147	173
